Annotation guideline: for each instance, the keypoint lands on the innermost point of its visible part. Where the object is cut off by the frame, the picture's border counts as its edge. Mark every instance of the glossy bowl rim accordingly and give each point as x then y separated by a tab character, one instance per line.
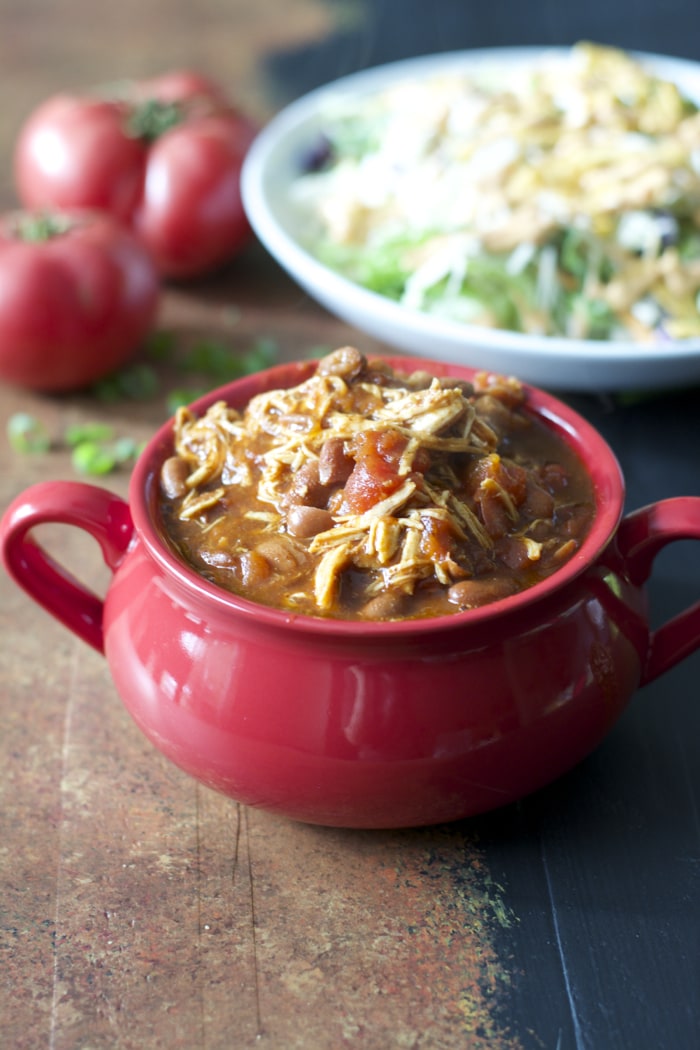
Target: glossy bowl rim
598	459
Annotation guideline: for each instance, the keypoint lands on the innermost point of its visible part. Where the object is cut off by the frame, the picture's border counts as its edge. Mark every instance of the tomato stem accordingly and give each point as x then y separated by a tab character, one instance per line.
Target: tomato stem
152	119
40	226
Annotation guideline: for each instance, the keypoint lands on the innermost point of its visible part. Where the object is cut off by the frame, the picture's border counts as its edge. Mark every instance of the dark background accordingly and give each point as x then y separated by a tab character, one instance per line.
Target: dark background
388	30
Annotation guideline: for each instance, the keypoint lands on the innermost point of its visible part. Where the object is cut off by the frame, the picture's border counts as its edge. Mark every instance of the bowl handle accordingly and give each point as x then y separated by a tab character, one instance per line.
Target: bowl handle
103	515
642	534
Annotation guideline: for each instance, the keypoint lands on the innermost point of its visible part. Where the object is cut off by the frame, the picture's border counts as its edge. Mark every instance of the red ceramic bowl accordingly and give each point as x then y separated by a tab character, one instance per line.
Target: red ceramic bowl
356	724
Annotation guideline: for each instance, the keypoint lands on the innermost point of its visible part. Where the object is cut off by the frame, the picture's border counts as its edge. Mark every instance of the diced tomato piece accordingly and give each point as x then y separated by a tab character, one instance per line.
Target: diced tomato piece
377	454
437	538
507	474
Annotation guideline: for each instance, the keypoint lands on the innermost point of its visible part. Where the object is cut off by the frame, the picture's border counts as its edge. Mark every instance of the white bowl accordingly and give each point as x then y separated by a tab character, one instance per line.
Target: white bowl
275	161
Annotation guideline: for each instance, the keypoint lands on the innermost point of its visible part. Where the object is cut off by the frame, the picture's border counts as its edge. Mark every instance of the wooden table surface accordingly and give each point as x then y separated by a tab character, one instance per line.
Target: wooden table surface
139	911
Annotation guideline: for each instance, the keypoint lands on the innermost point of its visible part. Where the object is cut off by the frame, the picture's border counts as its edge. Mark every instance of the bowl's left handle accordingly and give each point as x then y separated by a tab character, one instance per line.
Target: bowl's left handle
102	514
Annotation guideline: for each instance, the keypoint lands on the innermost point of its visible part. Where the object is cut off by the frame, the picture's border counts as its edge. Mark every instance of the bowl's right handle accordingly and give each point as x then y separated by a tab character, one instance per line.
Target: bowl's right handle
642	534
103	515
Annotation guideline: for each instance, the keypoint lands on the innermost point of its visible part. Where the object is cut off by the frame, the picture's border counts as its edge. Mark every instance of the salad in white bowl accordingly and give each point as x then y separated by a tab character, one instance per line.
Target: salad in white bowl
511	202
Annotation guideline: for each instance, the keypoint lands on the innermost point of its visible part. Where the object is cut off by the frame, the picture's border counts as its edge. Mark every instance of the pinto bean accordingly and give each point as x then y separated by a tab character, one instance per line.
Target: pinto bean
538	502
223	559
334	463
304	521
554	477
173	475
387	605
335	501
507	390
420	380
472	594
282	555
307	487
565	551
453	383
494	515
380	373
346	362
495	413
254	568
514	553
573	520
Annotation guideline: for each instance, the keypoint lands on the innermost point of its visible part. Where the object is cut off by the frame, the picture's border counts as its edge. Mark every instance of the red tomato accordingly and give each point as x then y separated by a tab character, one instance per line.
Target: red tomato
164	156
180	85
78	294
73	153
191	212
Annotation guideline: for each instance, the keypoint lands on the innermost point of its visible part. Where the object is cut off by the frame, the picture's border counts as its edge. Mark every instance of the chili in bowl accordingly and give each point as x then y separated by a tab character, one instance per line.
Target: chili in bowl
367	493
516	629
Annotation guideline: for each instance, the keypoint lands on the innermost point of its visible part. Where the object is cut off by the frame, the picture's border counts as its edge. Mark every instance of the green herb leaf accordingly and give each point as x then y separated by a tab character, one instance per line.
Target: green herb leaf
93	458
81	432
139	381
182	397
27	434
126	450
212	358
160	345
262	354
223	364
108	390
314	352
